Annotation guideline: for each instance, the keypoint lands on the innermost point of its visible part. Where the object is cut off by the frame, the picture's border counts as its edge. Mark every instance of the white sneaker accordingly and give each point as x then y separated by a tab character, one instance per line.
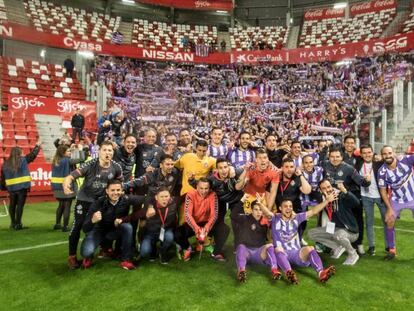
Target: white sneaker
360	249
337	252
303	242
351	259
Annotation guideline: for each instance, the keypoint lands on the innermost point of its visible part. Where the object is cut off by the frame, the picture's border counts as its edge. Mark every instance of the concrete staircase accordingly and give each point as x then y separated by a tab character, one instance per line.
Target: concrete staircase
126	29
292	42
404	135
16	12
395	26
223	35
50	129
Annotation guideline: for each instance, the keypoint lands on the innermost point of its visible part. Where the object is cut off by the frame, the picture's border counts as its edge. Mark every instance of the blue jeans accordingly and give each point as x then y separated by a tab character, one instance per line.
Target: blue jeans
149	243
368	205
97	235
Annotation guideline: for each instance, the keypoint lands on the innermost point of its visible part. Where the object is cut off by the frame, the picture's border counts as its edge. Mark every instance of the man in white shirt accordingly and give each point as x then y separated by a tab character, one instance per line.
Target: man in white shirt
371	195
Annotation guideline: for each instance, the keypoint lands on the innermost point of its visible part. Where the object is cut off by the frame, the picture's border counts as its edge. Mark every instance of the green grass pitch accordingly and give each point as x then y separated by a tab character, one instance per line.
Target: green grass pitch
38	279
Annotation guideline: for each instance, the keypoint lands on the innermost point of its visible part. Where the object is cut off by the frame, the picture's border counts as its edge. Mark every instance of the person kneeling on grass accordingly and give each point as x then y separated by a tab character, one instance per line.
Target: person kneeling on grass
201	211
341	229
108	220
287	243
252	247
160	224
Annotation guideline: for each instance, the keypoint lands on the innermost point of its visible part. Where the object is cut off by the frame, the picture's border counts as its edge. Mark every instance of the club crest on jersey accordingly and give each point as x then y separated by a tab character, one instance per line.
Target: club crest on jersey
170	178
79	210
292	183
340	173
110	176
205	164
253	227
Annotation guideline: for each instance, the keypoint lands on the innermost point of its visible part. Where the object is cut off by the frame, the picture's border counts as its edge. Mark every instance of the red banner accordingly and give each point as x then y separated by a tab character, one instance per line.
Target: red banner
225	5
28	34
371	6
400	43
50	106
319	14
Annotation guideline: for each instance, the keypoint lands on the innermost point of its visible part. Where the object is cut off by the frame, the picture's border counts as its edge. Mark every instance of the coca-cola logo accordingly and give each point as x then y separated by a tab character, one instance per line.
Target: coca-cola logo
334	12
68	106
383	3
24	103
202	4
390	45
314	13
361	6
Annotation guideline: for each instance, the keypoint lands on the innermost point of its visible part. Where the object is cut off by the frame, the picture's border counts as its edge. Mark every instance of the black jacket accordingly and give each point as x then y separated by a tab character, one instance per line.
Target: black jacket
146	155
126	161
154	223
346	203
345	173
78	121
154	180
111	212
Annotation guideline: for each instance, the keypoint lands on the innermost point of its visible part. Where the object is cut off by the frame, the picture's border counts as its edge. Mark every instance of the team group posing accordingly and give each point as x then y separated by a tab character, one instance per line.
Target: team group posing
185	190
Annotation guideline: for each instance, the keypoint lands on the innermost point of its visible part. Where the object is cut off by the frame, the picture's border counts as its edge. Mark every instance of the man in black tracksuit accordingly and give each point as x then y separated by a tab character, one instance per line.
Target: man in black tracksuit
147	154
77	123
160	224
339	172
107	220
96	173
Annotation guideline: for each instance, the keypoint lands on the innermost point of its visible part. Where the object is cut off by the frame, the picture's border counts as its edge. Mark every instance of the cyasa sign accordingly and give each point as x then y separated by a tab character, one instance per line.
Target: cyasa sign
82	45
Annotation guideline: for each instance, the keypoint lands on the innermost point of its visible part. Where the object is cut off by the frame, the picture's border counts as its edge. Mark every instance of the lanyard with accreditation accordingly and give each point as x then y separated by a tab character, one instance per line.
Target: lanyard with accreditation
162	230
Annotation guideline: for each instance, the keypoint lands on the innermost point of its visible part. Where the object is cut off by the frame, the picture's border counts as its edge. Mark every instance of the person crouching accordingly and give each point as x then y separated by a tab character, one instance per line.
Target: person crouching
108	220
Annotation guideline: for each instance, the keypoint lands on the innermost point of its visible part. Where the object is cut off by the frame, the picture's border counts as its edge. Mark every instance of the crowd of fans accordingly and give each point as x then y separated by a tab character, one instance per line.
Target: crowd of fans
271	145
287	99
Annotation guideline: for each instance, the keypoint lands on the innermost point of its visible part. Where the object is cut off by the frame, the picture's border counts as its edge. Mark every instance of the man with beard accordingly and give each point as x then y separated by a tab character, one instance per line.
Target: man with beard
275	155
170	147
371	195
396	176
166	176
217	149
185	141
337	171
238	157
292	185
286	239
342	228
125	156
